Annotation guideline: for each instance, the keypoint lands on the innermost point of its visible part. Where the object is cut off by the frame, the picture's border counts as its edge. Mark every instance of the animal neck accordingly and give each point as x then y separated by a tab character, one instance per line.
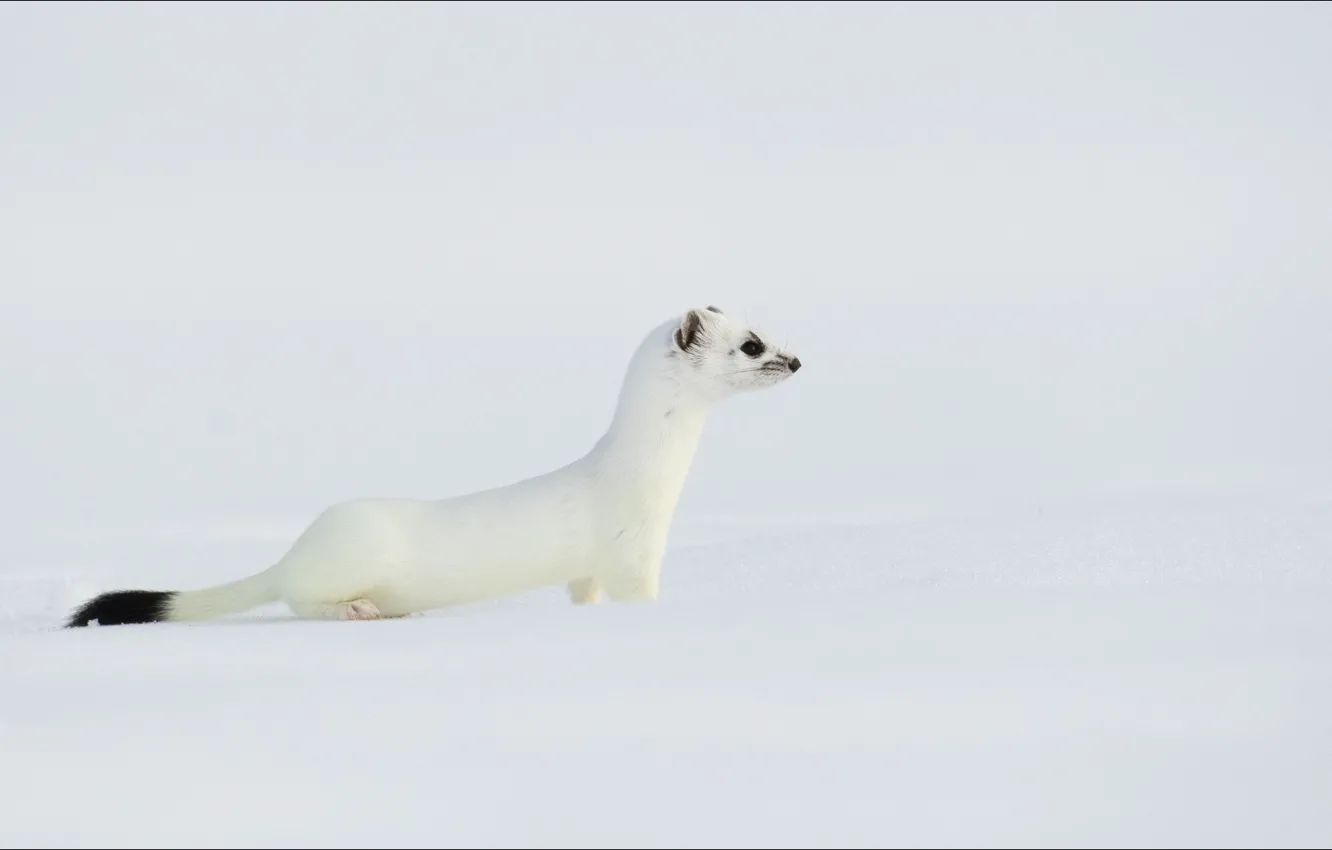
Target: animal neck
648	448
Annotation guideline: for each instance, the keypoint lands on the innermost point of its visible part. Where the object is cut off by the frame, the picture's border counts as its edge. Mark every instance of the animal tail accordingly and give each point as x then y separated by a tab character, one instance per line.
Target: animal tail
126	607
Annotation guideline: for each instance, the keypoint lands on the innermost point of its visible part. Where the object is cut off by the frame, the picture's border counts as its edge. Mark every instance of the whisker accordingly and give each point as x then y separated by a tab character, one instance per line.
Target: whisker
769	367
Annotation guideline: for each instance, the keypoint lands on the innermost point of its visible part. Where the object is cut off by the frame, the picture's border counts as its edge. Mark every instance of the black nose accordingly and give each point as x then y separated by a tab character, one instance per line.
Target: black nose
795	364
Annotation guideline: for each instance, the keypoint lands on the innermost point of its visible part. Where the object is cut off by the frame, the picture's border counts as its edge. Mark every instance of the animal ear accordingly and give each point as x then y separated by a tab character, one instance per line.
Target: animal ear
687	334
716	310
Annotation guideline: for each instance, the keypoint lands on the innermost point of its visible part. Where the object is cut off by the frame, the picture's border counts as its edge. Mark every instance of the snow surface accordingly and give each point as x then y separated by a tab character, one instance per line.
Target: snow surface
1133	673
1036	550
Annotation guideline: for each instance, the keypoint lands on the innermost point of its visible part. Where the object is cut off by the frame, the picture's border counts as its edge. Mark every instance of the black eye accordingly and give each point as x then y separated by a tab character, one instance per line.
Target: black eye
752	347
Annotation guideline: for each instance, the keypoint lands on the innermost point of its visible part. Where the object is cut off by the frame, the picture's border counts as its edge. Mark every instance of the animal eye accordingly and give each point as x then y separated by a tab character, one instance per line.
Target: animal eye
752	347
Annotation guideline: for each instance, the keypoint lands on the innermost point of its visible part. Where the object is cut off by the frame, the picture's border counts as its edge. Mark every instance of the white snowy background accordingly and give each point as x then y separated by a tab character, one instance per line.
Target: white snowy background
1035	551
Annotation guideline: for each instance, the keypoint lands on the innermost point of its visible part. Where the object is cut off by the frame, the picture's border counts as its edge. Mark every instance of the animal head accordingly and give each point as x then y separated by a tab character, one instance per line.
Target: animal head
723	356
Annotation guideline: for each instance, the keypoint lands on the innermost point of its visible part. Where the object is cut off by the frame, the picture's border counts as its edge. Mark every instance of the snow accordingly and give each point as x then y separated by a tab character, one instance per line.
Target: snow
1035	550
1147	673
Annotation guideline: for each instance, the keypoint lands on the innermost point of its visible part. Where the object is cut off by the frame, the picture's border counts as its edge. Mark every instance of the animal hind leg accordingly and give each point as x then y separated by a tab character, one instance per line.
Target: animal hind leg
356	609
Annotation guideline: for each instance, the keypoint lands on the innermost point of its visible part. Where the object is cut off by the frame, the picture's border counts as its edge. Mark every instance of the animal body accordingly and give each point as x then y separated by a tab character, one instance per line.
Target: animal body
597	525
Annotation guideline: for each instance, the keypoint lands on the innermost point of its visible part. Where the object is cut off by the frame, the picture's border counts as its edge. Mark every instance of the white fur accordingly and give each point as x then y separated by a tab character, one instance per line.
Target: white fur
597	524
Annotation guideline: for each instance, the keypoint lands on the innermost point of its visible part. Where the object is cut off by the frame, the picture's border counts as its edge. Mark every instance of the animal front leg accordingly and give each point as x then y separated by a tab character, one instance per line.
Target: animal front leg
631	585
584	591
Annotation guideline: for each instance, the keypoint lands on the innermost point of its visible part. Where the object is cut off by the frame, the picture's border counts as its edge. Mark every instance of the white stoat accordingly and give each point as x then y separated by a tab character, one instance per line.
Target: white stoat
597	524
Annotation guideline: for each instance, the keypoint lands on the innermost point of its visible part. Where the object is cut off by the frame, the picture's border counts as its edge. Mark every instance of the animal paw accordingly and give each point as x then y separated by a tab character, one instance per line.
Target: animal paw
360	609
584	591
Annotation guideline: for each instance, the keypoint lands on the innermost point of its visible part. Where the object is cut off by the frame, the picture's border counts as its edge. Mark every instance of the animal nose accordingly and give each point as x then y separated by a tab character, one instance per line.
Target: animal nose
795	364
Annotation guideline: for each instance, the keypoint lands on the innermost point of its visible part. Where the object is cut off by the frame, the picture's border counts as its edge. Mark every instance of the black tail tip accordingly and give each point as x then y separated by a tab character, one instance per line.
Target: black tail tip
122	608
